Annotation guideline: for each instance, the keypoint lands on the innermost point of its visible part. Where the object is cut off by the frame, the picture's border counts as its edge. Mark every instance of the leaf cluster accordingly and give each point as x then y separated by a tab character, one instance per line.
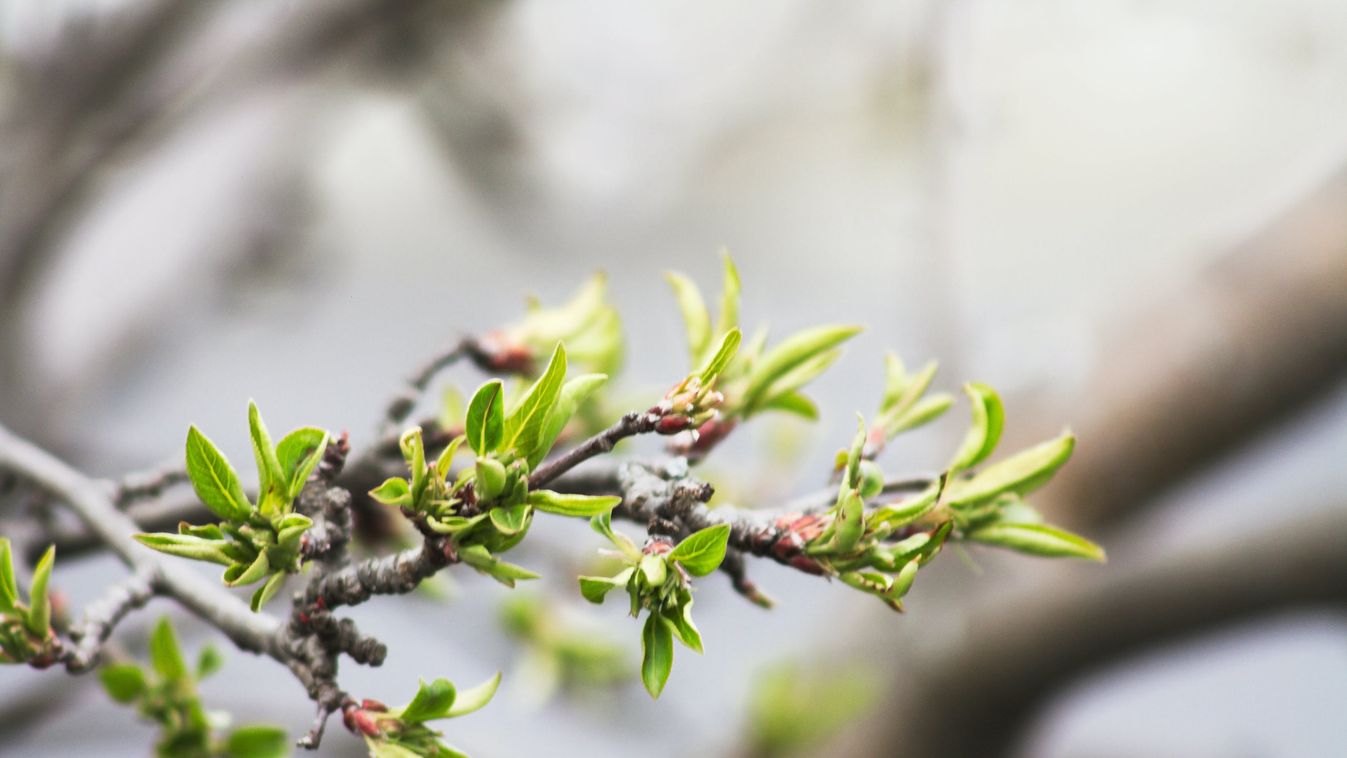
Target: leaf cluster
658	580
403	732
166	694
25	626
253	541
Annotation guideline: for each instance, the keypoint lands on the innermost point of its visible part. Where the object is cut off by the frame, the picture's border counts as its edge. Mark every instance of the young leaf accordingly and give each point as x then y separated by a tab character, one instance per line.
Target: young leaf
432	701
656	654
702	551
272	482
208	662
299	452
988	419
680	621
486	418
793	402
481	559
267	591
655	568
490	478
510	520
474	699
848	523
595	588
214	479
1038	539
124	682
573	393
585	506
165	655
446	459
1021	473
258	741
393	491
729	344
39	606
696	319
524	424
729	298
923	412
187	546
256	570
603	524
793	351
9	589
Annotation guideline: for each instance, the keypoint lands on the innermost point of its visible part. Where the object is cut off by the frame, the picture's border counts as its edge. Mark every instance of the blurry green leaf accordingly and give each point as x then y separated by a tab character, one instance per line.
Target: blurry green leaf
124	682
696	319
702	551
432	701
524	425
1021	473
871	480
481	559
680	621
272	484
729	343
9	589
595	588
988	420
298	453
656	654
257	742
486	418
267	591
572	505
256	570
793	402
848	523
603	524
1038	539
208	661
413	447
214	479
791	381
39	606
165	655
187	546
510	520
909	509
446	459
793	351
573	393
393	491
923	412
476	698
729	298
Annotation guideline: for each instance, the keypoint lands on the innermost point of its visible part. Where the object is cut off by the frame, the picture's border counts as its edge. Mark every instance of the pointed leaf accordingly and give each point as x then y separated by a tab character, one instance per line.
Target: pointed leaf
39	606
793	402
9	589
486	418
1038	539
394	491
432	701
729	344
267	591
476	698
595	588
510	520
573	393
187	546
793	351
729	298
124	682
272	482
214	479
208	662
585	506
656	654
702	551
988	420
524	424
298	453
696	319
165	655
1021	473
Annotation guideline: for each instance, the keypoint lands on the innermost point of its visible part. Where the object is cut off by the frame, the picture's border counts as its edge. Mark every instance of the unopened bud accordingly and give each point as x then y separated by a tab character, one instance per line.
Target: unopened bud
358	720
373	705
672	424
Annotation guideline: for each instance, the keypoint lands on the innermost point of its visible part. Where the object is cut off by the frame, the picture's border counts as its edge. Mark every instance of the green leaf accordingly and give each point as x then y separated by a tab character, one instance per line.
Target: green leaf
272	482
729	298
208	662
258	741
39	606
1038	539
603	524
187	546
476	698
656	654
524	424
909	509
585	506
848	523
923	412
299	452
729	344
490	478
573	393
266	592
9	589
214	479
481	559
256	570
510	520
432	701
486	418
394	491
1021	473
655	568
596	588
793	402
696	319
792	380
702	551
989	418
446	459
124	682
793	351
413	448
680	621
165	655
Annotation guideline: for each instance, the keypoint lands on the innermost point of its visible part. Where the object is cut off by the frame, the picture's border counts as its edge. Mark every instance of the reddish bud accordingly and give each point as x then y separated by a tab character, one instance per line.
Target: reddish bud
672	424
373	705
357	720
